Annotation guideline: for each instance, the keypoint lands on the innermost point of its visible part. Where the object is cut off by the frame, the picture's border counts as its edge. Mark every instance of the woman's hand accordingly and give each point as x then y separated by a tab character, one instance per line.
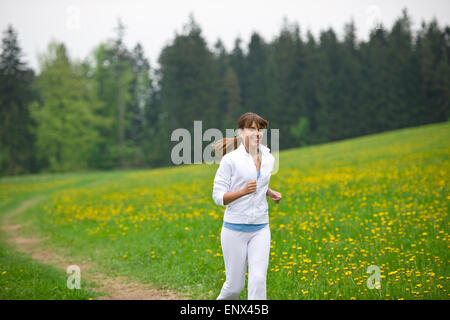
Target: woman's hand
250	187
274	195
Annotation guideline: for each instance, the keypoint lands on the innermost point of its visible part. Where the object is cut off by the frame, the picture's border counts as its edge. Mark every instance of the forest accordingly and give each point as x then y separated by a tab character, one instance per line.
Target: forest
115	109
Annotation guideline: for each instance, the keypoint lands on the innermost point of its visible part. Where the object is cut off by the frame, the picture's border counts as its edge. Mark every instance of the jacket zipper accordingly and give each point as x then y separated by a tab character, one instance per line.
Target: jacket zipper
254	193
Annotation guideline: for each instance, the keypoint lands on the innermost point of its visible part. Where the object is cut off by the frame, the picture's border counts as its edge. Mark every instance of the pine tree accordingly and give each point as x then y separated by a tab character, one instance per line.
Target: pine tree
16	93
238	64
189	79
400	58
433	47
350	82
286	83
375	88
232	105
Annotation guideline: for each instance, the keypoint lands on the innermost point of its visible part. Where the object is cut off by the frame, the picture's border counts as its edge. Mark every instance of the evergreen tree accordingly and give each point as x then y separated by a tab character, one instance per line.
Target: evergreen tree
327	66
400	77
16	139
375	90
228	88
256	99
237	63
286	78
349	82
433	47
189	81
232	101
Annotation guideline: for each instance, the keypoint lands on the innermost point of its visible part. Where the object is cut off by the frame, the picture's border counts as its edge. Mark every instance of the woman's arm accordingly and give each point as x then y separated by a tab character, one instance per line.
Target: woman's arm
276	196
233	195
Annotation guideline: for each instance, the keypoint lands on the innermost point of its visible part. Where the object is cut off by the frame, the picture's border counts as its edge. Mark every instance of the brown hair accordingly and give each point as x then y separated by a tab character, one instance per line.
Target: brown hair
226	145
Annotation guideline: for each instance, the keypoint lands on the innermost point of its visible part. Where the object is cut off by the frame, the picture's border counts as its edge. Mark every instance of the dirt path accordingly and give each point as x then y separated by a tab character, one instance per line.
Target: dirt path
118	288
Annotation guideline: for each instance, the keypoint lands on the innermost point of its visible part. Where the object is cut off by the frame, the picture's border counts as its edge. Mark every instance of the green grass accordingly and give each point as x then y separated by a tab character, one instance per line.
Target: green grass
22	278
375	200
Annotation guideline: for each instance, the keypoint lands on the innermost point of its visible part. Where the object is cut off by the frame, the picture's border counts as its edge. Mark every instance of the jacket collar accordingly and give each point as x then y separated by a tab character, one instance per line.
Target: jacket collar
262	148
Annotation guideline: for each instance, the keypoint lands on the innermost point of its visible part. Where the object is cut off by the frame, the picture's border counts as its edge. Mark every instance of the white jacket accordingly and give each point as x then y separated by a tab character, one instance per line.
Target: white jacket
236	169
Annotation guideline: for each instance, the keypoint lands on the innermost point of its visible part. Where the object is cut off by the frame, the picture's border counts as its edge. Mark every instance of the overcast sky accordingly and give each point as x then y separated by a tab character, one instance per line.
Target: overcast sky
83	24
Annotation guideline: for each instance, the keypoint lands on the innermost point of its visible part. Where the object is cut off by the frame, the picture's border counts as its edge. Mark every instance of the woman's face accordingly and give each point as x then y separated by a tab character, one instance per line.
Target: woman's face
252	137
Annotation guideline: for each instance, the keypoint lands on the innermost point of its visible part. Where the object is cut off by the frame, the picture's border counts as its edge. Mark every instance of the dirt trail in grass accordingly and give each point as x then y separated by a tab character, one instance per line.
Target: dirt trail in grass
118	288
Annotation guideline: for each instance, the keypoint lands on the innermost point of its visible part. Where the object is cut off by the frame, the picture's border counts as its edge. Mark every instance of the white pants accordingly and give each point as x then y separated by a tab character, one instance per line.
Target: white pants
237	248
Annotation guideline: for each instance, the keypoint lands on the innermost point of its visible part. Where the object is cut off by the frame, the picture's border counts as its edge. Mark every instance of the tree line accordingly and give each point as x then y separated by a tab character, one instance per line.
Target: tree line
114	110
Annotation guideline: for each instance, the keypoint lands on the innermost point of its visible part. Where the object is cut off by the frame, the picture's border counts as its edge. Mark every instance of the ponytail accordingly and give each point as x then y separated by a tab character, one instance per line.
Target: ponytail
225	145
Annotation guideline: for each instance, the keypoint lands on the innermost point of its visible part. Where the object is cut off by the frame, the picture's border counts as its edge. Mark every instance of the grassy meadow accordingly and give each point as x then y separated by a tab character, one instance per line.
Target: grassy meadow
376	200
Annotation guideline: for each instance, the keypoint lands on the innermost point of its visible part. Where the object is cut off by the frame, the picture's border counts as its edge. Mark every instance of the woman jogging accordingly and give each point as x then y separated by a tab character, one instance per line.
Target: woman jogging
241	185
